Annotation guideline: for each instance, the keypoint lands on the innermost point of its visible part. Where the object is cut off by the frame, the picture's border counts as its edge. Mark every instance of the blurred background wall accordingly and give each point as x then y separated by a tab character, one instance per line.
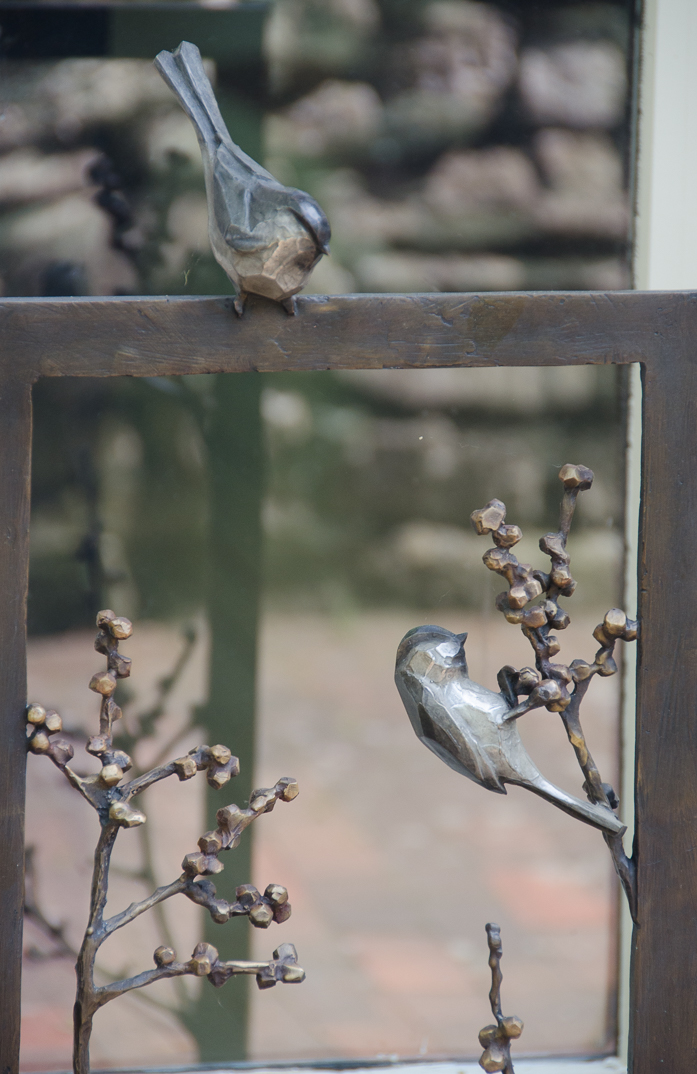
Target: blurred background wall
455	145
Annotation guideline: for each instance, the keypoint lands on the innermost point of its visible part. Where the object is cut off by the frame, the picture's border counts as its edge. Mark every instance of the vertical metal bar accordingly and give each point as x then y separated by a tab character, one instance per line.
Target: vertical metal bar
15	465
629	674
663	1027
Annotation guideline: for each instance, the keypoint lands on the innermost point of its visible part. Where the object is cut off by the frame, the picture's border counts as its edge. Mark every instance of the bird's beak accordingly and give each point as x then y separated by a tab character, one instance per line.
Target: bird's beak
324	249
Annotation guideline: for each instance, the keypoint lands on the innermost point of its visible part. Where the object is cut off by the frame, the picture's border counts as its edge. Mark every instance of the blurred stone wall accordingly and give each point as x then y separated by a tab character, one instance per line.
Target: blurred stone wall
101	183
456	145
373	476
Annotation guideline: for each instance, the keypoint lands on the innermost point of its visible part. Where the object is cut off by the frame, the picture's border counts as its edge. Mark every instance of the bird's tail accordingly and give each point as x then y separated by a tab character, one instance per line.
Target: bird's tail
598	816
184	73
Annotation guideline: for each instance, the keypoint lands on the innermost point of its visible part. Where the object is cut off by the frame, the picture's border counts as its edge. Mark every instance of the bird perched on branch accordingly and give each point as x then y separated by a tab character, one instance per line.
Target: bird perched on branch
266	236
471	728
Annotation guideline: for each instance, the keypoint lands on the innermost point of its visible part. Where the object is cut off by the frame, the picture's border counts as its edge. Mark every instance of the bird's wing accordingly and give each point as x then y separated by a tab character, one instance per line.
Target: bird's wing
247	242
454	743
242	204
236	166
446	734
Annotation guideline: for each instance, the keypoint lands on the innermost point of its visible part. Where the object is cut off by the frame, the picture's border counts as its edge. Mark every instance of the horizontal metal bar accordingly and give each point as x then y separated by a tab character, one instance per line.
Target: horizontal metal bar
158	336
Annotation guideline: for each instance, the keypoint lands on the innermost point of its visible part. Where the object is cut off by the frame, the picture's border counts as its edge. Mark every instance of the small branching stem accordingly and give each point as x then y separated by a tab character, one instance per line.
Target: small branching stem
496	1039
110	798
141	783
137	908
625	867
85	1002
557	687
175	969
495	952
566	511
572	724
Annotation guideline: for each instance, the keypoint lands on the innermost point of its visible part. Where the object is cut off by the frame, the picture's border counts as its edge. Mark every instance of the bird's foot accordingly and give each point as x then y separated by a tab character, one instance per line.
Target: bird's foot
289	305
238	303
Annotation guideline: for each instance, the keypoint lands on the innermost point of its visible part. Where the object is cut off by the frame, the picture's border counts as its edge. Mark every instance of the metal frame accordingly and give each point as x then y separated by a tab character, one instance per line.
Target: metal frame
160	336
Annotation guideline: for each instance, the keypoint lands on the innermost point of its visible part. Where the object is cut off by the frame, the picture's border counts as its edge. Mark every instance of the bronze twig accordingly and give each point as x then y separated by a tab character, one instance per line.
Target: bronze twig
132	730
496	1039
112	801
472	728
559	687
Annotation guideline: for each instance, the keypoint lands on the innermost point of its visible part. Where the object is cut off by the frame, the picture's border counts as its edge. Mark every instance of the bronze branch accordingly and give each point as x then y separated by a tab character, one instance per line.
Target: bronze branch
558	687
496	1039
111	799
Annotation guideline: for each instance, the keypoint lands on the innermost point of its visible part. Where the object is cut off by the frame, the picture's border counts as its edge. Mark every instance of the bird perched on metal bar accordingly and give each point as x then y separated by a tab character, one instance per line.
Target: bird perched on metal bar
266	236
471	728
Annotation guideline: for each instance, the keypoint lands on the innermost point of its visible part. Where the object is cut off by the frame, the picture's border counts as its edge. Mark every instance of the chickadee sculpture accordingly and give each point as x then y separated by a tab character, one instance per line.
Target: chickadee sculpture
266	236
471	728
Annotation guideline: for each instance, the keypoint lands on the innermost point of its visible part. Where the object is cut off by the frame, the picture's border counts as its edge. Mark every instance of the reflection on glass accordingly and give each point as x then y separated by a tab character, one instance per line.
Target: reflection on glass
387	855
396	862
455	145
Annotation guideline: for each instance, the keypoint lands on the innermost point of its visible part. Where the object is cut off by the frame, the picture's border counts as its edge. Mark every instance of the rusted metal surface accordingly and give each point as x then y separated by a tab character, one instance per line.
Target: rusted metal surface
152	337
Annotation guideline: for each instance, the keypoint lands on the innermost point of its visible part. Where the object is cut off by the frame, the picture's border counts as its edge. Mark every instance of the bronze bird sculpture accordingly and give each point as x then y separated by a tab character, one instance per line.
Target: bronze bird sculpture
266	236
471	728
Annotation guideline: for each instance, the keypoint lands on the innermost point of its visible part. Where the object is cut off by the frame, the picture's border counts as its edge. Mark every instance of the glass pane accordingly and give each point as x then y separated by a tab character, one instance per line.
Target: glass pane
119	519
454	145
393	862
397	862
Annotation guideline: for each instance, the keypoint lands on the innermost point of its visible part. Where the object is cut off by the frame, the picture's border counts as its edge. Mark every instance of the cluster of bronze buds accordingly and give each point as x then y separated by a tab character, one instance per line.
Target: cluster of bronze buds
41	724
273	905
548	683
205	962
496	1042
115	763
231	823
218	761
261	910
496	1039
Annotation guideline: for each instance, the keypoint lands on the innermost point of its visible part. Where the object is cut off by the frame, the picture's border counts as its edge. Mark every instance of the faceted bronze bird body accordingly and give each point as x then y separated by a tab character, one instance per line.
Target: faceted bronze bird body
471	728
266	236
